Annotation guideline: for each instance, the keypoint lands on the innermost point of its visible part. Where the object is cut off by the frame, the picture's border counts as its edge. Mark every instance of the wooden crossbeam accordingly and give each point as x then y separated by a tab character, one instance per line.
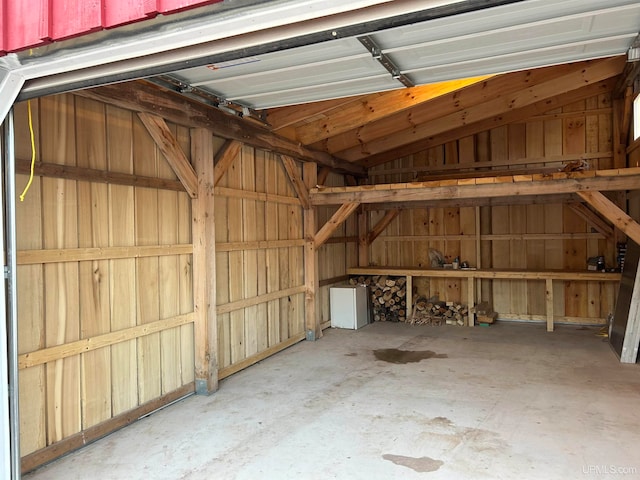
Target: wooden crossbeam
141	96
323	174
334	222
506	186
224	158
613	213
296	180
170	148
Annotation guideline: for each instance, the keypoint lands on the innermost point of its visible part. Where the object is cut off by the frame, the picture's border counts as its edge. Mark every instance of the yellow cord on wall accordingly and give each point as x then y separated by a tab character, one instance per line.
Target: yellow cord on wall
33	152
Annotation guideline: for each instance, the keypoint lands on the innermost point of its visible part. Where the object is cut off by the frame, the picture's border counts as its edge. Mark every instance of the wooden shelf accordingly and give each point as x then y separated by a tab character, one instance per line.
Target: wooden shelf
547	275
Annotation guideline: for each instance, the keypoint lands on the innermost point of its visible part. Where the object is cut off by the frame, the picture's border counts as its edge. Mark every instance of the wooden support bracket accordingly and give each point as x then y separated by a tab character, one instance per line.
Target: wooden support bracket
172	151
224	158
334	222
296	180
593	219
382	224
613	213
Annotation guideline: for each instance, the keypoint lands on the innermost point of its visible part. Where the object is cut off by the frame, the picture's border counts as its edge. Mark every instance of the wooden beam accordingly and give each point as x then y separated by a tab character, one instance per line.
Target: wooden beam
470	167
172	151
613	213
476	202
515	115
382	224
549	303
297	183
374	107
146	97
311	268
593	219
58	352
224	158
627	114
334	222
508	186
583	74
70	172
363	238
205	329
85	254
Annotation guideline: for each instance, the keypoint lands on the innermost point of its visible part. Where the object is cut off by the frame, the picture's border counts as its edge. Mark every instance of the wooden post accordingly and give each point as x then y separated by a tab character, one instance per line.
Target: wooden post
311	279
471	281
549	297
205	329
363	238
409	298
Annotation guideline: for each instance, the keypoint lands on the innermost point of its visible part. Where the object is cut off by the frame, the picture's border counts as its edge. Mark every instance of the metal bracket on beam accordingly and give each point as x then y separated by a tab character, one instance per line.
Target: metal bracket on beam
385	61
208	98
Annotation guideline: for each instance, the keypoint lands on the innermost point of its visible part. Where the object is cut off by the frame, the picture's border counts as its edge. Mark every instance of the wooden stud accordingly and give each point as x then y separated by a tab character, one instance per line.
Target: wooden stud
204	265
549	303
311	270
363	238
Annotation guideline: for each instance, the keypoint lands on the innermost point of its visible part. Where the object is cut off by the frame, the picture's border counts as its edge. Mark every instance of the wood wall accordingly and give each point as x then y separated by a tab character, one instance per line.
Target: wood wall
89	265
105	286
522	236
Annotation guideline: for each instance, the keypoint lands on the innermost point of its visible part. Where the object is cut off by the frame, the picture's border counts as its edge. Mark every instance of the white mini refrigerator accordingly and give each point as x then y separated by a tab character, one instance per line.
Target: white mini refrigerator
349	306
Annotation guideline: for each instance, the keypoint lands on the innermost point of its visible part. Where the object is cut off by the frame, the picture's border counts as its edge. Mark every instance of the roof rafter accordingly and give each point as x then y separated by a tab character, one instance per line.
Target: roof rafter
584	73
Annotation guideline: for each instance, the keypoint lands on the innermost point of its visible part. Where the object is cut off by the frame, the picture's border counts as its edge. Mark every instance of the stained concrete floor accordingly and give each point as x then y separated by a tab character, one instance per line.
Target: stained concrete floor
506	402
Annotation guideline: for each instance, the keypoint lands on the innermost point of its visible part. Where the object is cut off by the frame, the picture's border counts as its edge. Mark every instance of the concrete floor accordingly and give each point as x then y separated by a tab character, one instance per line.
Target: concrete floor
506	402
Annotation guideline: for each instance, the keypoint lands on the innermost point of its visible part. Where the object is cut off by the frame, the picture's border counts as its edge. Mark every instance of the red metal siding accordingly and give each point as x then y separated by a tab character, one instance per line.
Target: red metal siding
29	23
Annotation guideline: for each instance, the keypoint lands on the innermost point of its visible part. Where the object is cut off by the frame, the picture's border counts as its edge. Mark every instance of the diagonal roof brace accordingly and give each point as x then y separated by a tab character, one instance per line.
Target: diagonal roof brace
385	61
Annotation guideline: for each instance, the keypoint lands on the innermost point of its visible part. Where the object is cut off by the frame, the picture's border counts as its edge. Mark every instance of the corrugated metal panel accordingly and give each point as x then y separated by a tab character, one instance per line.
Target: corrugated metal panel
25	23
29	23
69	19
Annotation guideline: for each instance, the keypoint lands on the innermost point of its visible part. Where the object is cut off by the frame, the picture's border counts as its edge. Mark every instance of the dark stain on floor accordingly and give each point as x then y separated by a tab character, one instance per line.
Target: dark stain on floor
419	464
350	354
393	355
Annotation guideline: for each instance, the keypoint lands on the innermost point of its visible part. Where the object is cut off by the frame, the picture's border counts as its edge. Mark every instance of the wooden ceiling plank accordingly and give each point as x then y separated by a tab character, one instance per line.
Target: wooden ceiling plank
141	96
170	148
283	117
296	180
375	107
496	121
458	101
334	222
593	73
509	186
224	158
613	213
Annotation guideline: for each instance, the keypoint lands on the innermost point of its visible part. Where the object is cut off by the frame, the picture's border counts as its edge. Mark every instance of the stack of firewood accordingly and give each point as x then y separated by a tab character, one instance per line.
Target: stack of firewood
431	311
388	296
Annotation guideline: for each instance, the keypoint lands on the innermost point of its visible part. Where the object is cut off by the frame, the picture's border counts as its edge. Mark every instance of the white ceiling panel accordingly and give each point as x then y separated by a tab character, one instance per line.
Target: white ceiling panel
525	34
